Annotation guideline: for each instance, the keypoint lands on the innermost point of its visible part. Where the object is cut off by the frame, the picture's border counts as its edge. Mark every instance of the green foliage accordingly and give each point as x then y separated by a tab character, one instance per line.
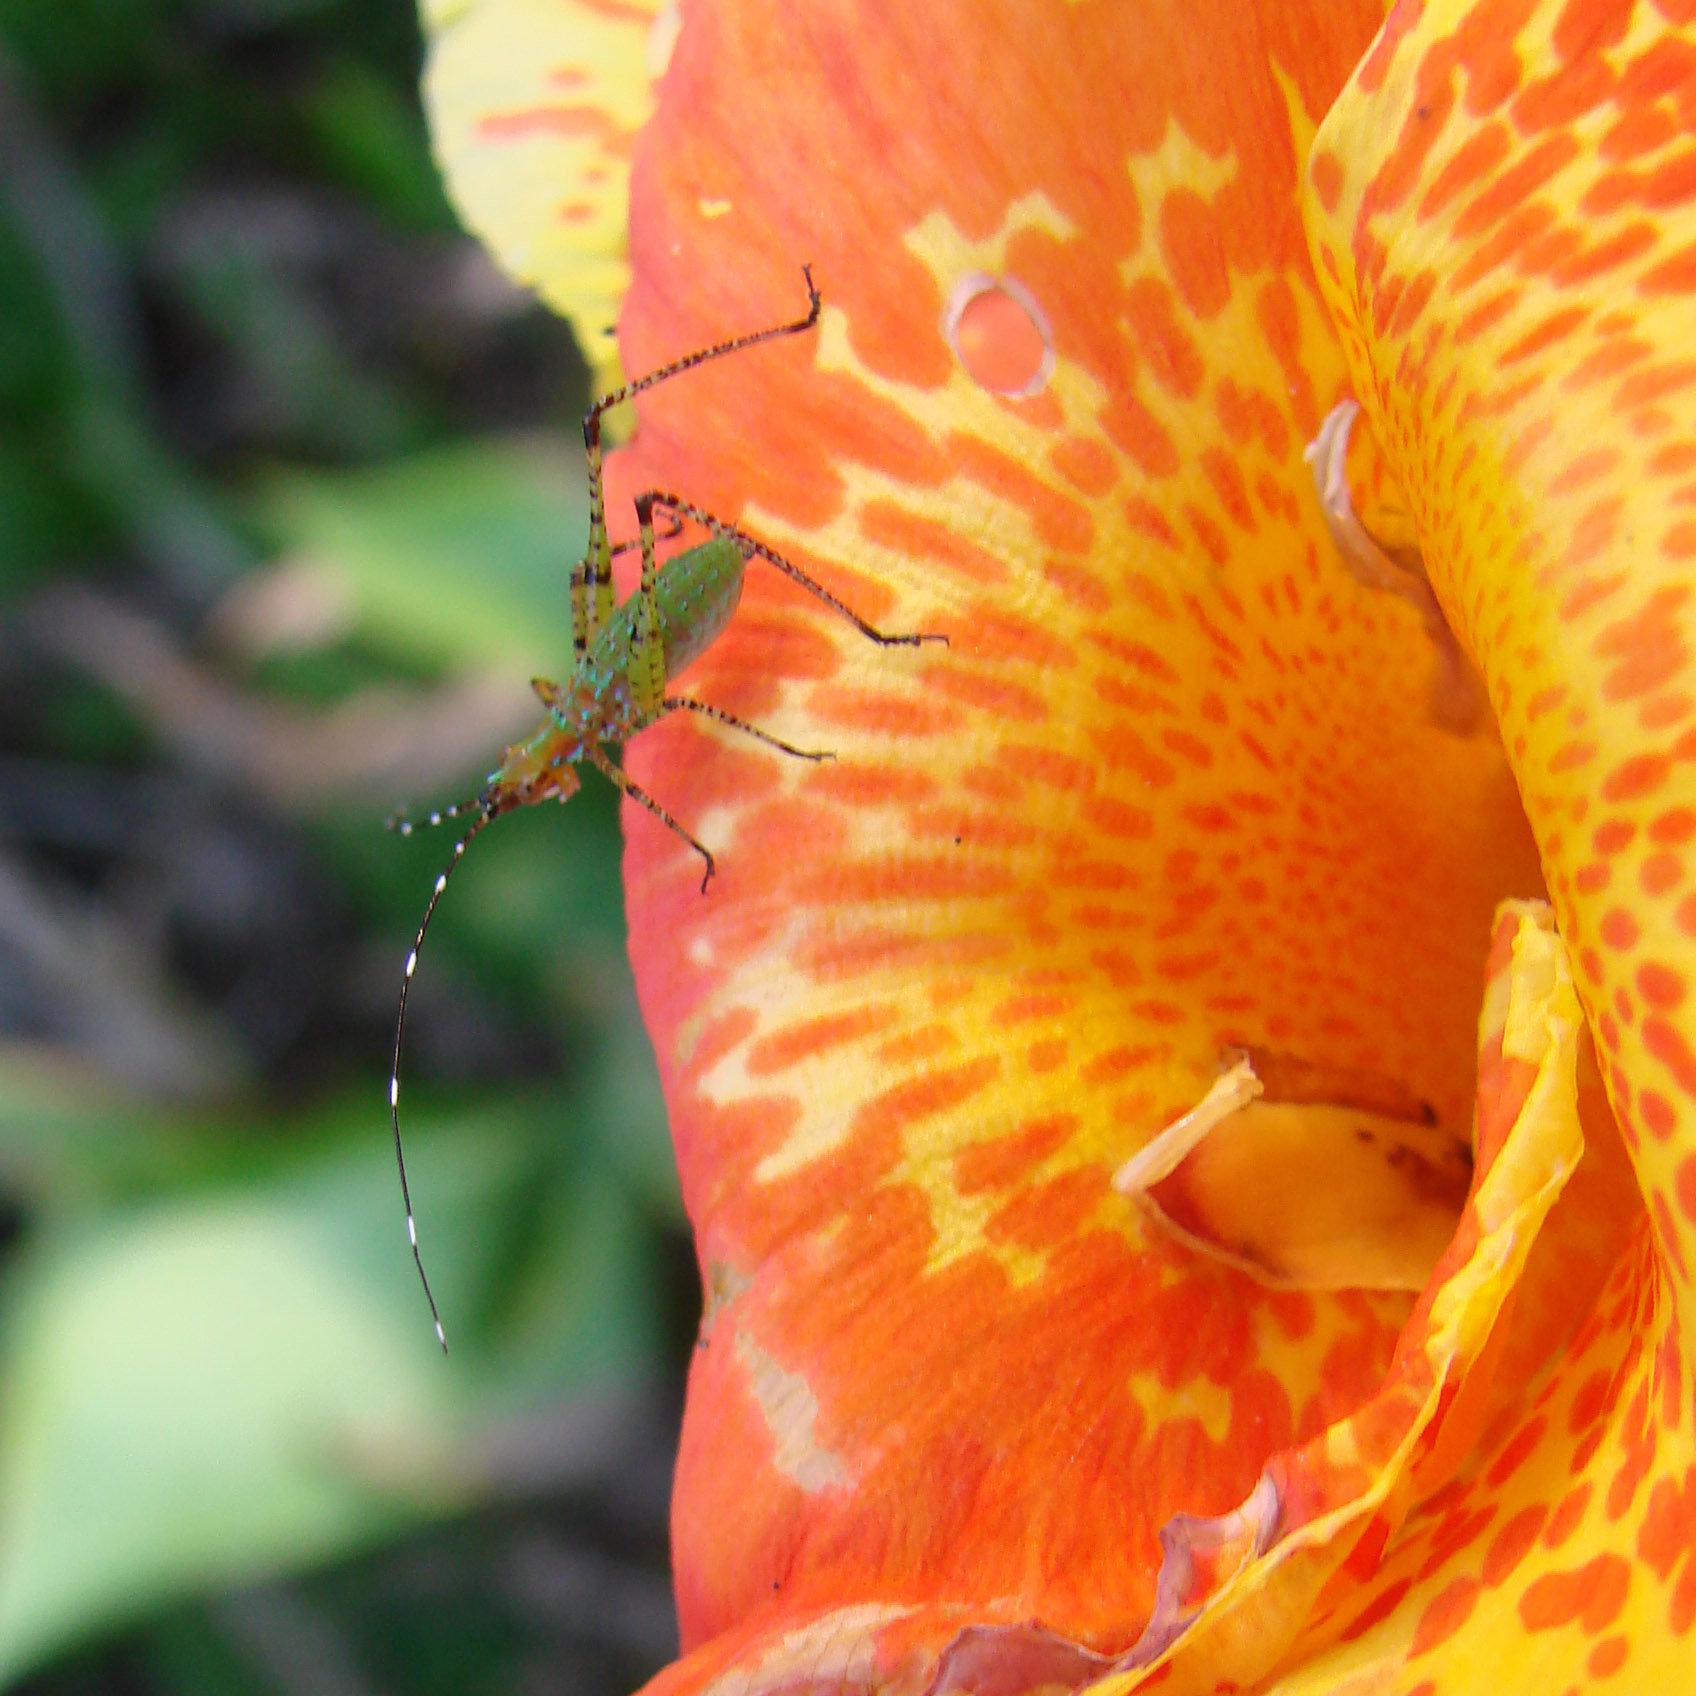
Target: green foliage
451	555
284	472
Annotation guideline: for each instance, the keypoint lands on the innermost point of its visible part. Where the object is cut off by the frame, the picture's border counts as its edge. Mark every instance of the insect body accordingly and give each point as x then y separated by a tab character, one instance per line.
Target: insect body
624	656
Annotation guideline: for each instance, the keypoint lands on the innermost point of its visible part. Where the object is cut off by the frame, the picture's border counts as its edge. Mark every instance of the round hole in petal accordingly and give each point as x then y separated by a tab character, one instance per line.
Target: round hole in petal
1000	334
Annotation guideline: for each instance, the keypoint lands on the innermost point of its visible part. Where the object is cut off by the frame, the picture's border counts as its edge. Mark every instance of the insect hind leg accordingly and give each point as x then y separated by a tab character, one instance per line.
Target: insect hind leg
583	622
591	589
670	533
753	547
674	703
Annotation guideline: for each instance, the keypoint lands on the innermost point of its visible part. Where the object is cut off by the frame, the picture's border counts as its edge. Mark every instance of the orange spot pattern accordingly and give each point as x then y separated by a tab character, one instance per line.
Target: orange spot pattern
1171	788
1530	566
1544	451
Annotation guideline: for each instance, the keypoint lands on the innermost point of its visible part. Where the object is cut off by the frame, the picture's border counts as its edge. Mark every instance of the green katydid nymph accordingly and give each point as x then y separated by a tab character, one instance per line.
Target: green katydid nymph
624	656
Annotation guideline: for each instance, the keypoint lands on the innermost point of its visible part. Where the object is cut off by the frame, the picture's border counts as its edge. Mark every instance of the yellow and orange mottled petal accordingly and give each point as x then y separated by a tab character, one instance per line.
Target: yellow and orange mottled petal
1235	1592
535	107
1172	792
1503	210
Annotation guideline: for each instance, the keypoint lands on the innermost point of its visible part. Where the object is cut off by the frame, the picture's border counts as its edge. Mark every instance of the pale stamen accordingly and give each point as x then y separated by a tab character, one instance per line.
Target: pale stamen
1168	1151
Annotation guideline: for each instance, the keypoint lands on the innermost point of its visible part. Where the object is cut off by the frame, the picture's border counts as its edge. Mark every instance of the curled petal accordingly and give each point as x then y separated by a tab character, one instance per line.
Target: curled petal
1503	212
1236	1592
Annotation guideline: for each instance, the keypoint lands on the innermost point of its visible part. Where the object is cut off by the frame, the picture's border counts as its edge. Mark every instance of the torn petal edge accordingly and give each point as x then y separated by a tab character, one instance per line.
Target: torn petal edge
1185	1535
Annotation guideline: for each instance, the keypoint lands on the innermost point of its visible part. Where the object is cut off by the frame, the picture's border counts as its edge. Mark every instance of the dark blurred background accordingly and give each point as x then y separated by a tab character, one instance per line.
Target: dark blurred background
290	479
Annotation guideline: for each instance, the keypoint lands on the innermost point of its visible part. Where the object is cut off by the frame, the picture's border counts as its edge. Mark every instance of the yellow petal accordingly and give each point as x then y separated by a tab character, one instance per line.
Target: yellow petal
534	107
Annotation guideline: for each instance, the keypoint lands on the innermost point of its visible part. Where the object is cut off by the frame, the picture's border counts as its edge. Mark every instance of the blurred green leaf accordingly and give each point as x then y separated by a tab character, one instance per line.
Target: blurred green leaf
552	888
221	241
375	143
108	37
222	1387
301	376
67	1138
457	556
622	1106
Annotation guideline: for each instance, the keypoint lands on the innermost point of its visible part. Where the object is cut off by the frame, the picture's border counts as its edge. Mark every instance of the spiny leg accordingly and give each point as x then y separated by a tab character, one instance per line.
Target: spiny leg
646	666
673	702
669	534
613	774
752	545
592	592
581	623
487	813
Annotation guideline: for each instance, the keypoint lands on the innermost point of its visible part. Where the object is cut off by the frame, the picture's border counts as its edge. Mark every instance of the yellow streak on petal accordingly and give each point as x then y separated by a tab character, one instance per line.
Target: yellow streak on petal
962	1222
1201	1400
1177	159
947	252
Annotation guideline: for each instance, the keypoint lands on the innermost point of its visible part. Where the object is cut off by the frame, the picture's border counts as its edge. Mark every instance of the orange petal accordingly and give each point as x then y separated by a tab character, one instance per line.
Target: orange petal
1171	792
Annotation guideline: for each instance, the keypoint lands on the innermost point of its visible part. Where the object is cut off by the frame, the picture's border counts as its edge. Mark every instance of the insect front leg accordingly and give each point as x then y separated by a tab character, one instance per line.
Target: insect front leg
592	598
598	759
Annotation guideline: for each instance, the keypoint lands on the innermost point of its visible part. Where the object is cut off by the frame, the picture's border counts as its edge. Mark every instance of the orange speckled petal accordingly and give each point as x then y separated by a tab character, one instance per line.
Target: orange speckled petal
1235	1591
1503	211
1171	794
535	106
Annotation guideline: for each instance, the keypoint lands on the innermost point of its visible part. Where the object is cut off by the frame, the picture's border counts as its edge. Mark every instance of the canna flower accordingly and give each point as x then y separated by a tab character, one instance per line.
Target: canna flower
1188	1120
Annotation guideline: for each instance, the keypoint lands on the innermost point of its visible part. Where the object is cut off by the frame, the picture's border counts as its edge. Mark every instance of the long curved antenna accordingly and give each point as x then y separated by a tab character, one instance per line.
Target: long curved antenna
405	828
